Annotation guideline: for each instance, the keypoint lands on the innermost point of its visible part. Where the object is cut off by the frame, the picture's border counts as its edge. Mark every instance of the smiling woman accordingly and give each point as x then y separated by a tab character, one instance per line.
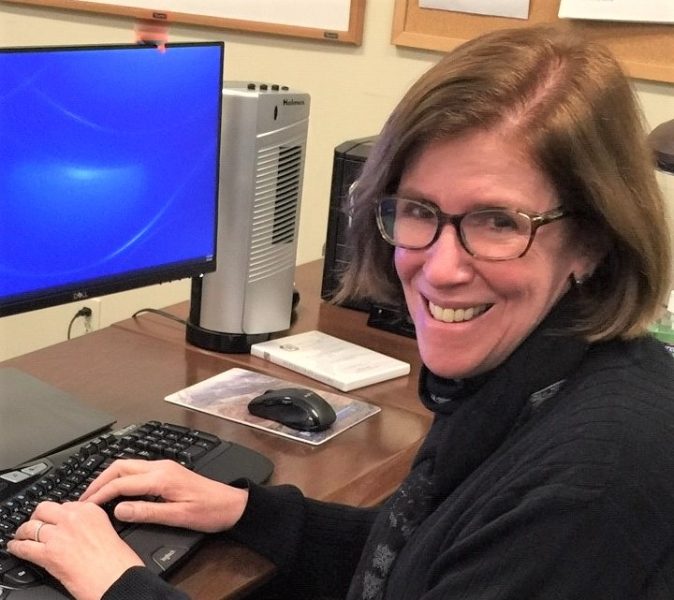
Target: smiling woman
511	200
510	281
569	114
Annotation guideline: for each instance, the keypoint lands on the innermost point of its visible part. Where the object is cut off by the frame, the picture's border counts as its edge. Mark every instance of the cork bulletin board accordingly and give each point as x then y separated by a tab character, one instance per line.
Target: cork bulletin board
646	51
333	20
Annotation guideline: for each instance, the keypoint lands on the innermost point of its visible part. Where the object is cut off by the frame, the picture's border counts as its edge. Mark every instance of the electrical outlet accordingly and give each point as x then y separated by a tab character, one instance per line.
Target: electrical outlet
93	322
79	324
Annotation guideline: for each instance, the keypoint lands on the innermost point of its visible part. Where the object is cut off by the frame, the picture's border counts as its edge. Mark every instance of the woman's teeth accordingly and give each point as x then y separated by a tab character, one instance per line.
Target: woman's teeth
456	315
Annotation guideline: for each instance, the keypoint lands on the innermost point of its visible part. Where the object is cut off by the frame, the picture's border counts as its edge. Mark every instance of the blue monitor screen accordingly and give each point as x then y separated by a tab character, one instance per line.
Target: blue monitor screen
108	169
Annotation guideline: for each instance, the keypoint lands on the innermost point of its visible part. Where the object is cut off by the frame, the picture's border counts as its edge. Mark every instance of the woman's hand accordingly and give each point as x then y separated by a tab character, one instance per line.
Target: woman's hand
185	498
76	543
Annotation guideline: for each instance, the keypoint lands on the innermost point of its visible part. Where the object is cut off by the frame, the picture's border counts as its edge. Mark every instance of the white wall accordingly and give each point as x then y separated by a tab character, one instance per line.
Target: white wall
352	88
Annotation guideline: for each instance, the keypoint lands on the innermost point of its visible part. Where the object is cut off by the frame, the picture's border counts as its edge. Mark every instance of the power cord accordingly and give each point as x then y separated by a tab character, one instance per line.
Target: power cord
161	313
168	315
85	312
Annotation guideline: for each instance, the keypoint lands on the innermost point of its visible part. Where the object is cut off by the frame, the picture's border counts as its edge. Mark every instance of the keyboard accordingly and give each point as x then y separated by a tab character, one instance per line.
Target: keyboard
65	475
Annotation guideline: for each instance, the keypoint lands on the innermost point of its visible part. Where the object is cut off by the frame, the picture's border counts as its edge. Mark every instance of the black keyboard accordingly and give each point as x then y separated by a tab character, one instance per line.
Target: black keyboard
63	477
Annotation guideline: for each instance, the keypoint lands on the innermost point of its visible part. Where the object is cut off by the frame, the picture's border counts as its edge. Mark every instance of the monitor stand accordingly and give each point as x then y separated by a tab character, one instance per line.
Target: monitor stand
37	419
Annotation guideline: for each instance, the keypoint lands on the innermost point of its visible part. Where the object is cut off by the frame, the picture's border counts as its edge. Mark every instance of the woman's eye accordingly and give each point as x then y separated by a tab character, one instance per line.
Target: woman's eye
498	220
423	213
417	211
495	220
503	221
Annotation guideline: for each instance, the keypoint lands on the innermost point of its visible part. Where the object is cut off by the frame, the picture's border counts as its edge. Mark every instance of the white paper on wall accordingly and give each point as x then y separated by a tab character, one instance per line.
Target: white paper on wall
330	14
517	9
649	11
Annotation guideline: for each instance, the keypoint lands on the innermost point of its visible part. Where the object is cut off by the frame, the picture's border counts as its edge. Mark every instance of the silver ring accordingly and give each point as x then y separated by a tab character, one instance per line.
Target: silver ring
37	531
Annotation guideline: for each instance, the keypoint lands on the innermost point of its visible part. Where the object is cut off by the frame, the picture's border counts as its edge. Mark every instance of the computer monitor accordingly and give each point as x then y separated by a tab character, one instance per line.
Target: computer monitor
109	161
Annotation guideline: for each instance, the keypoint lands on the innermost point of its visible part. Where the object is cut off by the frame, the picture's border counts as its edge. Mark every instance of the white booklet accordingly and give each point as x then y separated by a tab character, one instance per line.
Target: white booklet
227	395
341	364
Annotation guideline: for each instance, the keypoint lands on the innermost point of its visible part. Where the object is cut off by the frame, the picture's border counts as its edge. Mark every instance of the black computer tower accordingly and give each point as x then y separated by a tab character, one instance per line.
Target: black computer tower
348	161
347	164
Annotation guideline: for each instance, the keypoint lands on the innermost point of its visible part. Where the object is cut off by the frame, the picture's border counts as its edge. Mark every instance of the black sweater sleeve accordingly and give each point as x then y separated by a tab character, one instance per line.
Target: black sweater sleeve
141	584
316	545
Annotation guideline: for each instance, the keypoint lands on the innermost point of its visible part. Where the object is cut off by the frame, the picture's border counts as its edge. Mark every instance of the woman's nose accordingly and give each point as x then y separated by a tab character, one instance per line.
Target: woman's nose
446	260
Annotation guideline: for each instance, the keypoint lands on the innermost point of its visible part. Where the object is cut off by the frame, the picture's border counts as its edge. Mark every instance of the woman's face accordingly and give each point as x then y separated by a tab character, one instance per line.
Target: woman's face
509	298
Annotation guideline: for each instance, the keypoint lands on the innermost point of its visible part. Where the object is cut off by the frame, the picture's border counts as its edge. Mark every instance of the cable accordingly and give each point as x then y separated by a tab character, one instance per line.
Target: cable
85	312
161	313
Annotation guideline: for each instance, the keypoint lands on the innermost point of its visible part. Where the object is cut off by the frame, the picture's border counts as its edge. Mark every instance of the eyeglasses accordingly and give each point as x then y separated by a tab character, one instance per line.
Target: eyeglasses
487	234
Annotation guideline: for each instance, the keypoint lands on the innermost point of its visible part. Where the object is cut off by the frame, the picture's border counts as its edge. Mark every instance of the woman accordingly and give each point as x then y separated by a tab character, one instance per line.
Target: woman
519	217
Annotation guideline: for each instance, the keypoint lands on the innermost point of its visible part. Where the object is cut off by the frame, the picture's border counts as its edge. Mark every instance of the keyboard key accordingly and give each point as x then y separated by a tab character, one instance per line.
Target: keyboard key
191	454
21	576
92	462
36	469
7	561
168	555
14	476
214	440
175	428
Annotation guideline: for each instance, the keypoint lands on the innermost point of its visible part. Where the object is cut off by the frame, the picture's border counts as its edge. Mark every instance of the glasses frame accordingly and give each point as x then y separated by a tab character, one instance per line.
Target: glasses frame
536	220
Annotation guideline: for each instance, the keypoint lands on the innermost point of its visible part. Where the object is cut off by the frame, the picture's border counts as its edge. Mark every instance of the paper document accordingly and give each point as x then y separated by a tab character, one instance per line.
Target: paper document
334	361
649	11
517	9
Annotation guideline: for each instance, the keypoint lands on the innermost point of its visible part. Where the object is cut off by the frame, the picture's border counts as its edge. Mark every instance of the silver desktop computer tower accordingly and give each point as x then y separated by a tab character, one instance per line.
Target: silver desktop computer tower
263	145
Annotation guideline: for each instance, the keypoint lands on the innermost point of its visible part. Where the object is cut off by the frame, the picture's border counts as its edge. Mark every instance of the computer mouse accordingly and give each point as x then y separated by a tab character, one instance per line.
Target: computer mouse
299	408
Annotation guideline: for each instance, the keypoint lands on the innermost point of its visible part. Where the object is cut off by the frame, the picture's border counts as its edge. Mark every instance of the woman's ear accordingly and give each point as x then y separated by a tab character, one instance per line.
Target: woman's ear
592	248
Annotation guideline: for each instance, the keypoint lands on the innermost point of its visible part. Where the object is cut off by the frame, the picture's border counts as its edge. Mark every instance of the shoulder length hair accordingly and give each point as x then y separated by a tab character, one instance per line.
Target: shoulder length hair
567	101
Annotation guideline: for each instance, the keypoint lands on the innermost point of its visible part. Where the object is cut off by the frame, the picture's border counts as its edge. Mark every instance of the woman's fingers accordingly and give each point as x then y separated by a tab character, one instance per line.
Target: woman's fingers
129	477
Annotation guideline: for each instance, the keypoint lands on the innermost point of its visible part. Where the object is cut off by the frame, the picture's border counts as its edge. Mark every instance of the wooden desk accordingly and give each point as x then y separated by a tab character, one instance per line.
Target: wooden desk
127	369
312	313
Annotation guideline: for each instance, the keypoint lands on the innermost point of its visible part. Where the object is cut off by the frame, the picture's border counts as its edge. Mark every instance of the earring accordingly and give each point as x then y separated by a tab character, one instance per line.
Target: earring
579	279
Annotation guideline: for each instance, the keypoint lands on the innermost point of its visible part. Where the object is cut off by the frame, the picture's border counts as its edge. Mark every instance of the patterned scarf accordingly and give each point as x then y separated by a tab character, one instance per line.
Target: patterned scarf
473	418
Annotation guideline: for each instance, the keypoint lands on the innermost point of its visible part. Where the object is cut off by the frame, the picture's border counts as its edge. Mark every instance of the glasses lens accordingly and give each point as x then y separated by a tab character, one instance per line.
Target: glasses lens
497	234
406	223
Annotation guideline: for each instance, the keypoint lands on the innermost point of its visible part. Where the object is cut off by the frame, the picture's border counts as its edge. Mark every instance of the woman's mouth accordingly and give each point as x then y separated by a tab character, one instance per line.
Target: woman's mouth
456	315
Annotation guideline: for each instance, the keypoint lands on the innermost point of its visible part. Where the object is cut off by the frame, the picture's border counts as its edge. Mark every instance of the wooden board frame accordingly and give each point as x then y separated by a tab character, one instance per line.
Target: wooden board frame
354	34
646	51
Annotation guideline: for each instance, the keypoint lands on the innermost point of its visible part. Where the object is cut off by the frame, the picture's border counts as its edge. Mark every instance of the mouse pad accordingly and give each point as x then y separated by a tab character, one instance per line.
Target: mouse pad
36	418
227	395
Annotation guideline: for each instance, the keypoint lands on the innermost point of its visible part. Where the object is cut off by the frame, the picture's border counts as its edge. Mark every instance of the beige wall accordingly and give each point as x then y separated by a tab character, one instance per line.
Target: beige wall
352	90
